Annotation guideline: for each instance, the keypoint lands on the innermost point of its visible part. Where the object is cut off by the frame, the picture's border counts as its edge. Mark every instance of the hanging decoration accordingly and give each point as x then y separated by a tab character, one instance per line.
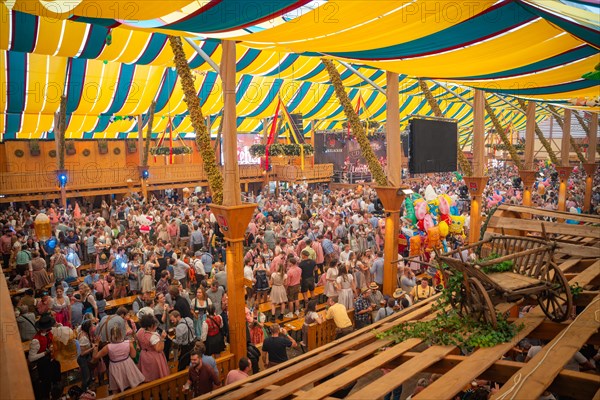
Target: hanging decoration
215	179
161	150
362	139
280	149
148	134
271	137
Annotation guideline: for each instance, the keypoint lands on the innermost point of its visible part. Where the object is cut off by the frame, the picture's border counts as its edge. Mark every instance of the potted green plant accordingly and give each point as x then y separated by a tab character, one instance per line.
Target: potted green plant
131	146
103	146
70	148
34	148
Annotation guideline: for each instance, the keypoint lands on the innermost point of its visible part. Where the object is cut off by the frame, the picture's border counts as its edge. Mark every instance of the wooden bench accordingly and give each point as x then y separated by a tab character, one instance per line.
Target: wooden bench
321	334
122	302
295	322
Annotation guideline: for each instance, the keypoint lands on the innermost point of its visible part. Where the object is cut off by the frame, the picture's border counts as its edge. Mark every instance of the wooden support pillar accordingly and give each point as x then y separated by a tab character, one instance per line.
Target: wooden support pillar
590	167
564	170
141	146
14	375
392	130
391	198
233	216
476	184
528	174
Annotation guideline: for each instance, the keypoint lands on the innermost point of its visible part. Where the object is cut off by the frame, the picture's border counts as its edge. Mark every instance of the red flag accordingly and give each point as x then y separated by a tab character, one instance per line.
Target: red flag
271	138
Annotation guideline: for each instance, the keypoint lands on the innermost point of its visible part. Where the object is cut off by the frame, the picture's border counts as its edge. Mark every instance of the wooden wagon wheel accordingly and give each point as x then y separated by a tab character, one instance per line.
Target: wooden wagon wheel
556	301
478	304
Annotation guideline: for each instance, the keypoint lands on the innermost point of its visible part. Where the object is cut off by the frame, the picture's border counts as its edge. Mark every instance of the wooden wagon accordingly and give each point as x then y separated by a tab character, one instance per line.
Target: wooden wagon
534	275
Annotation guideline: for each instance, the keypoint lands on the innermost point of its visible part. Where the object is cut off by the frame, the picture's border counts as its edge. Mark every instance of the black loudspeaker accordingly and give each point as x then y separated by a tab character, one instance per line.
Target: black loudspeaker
432	145
298	123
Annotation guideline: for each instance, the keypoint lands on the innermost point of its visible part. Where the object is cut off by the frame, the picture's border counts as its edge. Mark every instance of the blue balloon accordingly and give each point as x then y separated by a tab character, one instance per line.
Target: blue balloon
454	210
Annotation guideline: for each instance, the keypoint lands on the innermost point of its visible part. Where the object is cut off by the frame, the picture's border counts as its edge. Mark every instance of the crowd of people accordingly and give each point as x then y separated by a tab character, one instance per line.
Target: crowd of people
170	254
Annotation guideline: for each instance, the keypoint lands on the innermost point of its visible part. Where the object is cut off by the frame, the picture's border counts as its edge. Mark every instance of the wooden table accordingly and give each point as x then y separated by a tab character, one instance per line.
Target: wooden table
123	301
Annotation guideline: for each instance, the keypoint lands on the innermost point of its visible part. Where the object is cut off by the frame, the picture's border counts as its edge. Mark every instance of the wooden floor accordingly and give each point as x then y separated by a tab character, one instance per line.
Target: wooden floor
321	372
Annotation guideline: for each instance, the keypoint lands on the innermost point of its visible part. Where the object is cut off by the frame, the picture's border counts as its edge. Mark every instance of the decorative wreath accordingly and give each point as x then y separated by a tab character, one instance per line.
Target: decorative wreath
86	152
116	151
19	153
52	153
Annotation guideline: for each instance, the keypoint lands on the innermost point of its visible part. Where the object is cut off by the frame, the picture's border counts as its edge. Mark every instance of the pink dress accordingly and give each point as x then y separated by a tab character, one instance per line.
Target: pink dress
122	371
153	364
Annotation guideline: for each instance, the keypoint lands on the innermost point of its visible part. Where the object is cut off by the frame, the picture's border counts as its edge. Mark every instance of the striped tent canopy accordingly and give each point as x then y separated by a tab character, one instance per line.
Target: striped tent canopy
113	59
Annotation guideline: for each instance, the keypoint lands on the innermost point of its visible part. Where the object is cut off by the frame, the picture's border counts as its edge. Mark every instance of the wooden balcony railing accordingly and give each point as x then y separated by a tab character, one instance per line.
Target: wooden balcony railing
43	184
311	173
170	387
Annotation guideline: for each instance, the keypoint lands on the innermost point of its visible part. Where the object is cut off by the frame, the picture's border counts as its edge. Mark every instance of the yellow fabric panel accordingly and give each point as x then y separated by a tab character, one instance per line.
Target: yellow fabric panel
49	36
537	41
357	25
143	89
544	78
100	84
3	84
116	9
71	43
5	28
125	47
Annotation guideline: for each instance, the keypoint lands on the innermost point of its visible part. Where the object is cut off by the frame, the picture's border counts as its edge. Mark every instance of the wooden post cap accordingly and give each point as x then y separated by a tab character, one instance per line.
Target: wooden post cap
590	168
476	184
564	172
528	178
391	197
233	220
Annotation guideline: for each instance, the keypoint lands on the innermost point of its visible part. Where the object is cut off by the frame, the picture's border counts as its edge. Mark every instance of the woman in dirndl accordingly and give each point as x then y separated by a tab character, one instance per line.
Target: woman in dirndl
61	306
58	264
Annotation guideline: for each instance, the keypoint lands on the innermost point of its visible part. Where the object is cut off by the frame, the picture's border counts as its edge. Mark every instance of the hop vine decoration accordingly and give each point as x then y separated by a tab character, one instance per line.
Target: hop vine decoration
278	149
215	179
148	134
541	137
357	127
500	130
61	124
435	107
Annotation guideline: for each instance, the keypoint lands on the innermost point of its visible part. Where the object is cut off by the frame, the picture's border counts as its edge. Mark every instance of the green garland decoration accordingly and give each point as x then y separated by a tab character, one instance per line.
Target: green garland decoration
215	179
500	131
541	137
561	123
148	134
279	149
165	151
357	127
435	107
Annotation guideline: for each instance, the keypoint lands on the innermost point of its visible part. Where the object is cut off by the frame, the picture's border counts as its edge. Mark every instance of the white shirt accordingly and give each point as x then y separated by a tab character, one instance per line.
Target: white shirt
248	274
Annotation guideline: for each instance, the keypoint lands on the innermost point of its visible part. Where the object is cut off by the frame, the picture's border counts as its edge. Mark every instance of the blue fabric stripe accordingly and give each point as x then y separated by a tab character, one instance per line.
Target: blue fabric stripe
229	15
346	74
95	42
77	70
289	60
168	85
247	59
460	109
242	87
123	88
558	60
410	88
17	79
313	73
207	87
24	28
13	125
560	88
300	95
209	48
101	125
157	43
326	97
379	112
271	95
487	24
